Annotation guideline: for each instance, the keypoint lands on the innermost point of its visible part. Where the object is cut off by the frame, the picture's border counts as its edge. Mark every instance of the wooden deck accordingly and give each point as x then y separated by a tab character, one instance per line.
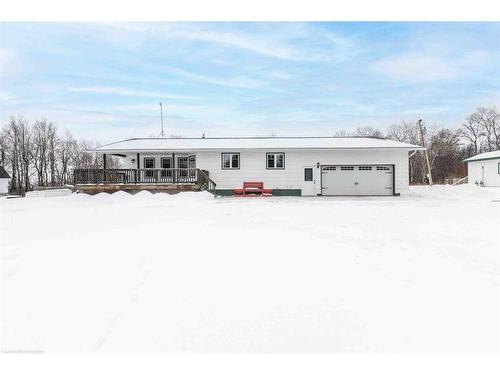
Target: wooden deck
174	180
135	188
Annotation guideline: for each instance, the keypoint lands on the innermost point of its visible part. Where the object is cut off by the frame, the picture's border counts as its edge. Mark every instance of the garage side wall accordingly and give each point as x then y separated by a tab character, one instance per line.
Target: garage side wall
491	175
253	166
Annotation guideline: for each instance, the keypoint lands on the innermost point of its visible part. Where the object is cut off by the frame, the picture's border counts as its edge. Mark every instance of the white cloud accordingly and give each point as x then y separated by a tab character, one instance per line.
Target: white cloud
430	65
245	41
286	41
239	82
7	96
7	61
127	92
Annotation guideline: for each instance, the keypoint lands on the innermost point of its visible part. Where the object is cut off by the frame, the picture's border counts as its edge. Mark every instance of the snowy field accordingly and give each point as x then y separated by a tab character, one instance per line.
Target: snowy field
149	273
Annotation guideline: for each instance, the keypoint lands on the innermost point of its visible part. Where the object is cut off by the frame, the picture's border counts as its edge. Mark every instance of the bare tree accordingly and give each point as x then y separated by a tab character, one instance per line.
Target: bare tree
473	132
368	131
341	133
408	132
445	153
488	120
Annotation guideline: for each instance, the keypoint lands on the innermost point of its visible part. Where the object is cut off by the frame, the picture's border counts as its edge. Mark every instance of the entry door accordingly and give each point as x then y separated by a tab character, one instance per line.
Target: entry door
192	166
308	182
149	175
182	162
166	165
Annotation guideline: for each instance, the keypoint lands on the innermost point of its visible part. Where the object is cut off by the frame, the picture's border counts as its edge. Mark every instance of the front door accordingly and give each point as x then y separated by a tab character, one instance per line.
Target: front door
182	162
308	182
166	172
149	173
192	166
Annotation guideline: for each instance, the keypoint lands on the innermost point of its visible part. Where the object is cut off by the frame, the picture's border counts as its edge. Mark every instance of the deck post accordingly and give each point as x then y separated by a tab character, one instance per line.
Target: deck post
104	165
138	172
173	170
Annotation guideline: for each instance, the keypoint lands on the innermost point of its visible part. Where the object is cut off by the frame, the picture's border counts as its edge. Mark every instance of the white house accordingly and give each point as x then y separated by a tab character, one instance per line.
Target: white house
307	166
4	181
484	169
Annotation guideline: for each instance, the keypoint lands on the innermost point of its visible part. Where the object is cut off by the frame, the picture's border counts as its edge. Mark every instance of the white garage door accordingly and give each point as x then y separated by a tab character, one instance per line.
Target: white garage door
357	180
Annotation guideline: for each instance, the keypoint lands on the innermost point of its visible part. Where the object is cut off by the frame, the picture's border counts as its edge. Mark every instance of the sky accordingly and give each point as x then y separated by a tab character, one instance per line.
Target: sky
103	82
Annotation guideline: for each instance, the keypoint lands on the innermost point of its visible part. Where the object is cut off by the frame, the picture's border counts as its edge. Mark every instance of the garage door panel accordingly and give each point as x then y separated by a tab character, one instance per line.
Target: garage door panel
357	180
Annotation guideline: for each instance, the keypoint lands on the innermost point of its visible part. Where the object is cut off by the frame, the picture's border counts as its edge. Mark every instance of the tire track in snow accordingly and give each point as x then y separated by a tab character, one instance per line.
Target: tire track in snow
114	319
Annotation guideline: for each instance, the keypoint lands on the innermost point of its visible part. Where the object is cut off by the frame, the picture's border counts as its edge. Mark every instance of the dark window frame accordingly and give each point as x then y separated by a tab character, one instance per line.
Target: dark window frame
166	158
231	160
149	158
275	167
499	167
166	171
182	158
149	173
306	179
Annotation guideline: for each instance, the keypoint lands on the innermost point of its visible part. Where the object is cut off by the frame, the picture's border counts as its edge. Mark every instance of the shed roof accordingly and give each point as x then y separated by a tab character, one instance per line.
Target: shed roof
3	173
188	144
484	156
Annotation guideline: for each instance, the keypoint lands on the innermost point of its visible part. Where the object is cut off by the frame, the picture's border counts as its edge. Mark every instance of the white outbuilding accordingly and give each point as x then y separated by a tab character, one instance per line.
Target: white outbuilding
4	181
484	169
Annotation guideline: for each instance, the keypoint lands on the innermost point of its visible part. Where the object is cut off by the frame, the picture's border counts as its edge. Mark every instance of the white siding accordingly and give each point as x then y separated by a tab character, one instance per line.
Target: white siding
491	175
4	185
253	166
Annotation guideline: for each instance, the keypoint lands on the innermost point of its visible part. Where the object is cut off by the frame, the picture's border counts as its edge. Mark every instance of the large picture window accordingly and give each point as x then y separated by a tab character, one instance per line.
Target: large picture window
230	161
275	160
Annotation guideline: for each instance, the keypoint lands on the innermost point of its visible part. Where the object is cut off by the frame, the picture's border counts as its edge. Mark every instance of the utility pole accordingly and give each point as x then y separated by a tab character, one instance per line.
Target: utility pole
425	151
162	134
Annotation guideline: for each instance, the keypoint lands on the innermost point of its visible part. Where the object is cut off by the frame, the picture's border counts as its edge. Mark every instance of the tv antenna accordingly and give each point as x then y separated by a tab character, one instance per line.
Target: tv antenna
162	133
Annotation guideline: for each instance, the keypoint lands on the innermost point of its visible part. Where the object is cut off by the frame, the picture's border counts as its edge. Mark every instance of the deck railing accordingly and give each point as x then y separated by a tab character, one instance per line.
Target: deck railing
144	176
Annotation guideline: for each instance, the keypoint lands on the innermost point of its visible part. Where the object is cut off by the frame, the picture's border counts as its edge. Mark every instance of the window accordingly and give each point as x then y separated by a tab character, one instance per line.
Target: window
308	174
346	168
329	168
365	168
166	163
498	168
230	161
275	160
380	168
149	163
182	162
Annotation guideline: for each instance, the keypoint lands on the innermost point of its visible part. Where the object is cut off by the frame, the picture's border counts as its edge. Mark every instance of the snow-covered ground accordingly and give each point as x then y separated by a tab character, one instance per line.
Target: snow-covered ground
416	273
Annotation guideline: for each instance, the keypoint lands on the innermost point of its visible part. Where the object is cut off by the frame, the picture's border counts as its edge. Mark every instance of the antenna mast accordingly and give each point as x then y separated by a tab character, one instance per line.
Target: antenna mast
162	133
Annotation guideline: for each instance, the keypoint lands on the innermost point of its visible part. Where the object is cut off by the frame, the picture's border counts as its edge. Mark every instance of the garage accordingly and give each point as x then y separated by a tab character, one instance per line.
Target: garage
357	180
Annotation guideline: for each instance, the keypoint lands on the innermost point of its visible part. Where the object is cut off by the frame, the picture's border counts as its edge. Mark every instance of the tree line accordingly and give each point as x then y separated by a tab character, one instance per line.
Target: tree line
446	147
36	154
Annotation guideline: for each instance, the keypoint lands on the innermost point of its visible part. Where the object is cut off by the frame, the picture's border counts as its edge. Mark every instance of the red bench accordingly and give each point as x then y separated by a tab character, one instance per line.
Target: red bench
253	189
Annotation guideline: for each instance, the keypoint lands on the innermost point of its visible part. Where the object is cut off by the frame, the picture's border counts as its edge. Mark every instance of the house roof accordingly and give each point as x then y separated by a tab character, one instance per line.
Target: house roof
3	173
185	144
484	156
